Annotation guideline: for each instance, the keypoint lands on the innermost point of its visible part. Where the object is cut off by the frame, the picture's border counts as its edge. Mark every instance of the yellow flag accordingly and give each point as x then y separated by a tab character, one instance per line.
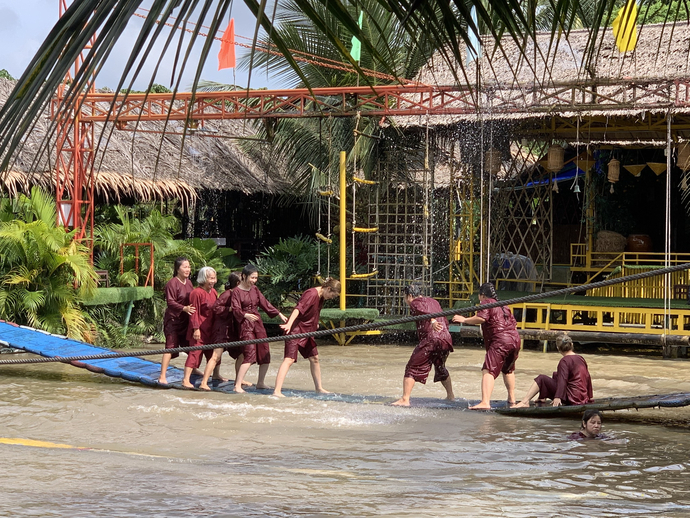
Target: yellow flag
624	29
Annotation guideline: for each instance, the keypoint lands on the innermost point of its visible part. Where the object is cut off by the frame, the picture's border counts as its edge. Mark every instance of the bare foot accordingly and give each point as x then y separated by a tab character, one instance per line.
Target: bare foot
263	387
521	404
163	380
239	390
247	384
401	402
480	406
450	397
204	386
187	384
278	394
322	391
220	378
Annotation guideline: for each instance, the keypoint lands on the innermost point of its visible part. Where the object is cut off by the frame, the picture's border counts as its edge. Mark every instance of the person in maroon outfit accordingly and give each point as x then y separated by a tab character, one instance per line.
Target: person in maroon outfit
246	299
224	330
304	319
199	331
177	313
590	428
502	343
435	344
571	384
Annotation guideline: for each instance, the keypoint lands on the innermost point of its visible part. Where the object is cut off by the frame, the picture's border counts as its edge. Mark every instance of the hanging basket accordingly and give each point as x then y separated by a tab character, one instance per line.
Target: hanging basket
614	170
492	161
554	160
683	157
658	167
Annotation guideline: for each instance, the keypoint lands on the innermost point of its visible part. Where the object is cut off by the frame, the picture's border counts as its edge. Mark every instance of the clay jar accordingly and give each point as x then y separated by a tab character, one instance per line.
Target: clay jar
639	243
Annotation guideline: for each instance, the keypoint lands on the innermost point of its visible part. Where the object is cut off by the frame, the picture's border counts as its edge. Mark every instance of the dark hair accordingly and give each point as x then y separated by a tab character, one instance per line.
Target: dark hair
233	281
564	344
414	290
487	290
178	263
248	270
589	414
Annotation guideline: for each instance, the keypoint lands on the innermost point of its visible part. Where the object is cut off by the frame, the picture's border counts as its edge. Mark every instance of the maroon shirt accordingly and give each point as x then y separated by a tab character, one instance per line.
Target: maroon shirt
202	319
177	297
499	328
309	307
223	320
249	301
425	331
574	384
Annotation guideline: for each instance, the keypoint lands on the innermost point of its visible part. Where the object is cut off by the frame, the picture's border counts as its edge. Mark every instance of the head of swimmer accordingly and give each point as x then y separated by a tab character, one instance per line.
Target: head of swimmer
206	278
330	288
487	291
591	423
413	291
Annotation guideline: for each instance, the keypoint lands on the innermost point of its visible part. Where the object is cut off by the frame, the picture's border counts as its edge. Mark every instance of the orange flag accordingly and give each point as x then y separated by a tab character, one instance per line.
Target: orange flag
226	56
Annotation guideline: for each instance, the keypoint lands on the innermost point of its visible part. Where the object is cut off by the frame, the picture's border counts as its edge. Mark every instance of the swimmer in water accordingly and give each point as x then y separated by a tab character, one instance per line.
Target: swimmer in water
590	428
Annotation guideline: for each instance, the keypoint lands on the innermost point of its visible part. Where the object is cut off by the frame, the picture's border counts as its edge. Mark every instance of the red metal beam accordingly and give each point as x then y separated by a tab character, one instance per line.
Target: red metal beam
383	101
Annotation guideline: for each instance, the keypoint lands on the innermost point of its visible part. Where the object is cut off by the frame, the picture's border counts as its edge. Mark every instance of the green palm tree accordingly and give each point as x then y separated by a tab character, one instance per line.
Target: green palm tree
44	272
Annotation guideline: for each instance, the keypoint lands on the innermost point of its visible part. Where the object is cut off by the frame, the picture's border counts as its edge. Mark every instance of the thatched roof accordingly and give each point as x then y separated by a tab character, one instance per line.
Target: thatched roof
146	164
552	78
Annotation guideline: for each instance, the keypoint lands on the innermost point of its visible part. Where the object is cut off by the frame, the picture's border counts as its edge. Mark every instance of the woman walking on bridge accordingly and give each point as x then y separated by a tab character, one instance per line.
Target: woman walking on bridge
502	343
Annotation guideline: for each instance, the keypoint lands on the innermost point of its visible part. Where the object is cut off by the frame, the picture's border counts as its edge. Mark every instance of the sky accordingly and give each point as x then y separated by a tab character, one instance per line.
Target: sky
25	24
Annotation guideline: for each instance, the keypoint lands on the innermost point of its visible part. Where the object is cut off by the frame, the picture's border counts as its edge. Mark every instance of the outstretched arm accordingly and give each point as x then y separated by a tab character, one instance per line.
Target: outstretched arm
288	325
472	321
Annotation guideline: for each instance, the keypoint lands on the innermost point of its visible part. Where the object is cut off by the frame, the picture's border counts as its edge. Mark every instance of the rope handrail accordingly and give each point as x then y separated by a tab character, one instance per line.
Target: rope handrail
352	328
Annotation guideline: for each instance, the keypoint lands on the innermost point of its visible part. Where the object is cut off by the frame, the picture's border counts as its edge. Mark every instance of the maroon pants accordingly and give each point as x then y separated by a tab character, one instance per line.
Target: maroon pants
306	347
174	340
194	357
423	357
547	386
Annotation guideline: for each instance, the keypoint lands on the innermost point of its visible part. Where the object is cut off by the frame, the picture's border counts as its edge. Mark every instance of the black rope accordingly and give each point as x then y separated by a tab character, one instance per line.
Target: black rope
357	327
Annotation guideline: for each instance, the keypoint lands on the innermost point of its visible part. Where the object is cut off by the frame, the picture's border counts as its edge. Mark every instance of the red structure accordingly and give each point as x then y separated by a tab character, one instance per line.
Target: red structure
74	181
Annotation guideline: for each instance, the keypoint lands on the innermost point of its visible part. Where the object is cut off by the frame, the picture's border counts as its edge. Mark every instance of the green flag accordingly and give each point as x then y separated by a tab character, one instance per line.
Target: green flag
356	51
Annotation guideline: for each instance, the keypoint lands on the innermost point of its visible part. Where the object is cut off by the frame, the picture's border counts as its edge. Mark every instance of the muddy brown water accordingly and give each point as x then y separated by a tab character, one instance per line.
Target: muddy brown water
173	453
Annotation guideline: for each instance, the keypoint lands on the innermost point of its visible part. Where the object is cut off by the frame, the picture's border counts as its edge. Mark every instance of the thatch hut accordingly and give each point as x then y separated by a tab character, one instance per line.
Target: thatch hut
150	161
506	206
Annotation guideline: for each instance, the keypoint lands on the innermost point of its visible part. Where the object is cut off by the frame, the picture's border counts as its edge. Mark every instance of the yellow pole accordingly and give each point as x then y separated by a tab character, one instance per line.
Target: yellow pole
343	225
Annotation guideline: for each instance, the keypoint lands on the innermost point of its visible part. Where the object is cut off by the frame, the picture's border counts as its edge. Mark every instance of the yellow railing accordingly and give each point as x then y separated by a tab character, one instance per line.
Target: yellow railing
597	318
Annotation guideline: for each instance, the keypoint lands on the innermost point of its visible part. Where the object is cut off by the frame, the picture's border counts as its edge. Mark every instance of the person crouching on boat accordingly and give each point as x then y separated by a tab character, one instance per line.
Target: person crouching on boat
305	319
200	327
502	343
571	384
590	427
435	344
177	313
246	300
224	330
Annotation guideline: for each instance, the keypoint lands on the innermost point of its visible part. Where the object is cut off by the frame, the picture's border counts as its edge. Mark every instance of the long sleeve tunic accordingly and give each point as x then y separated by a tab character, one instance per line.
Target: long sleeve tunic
224	327
175	321
573	382
202	319
249	301
425	331
499	328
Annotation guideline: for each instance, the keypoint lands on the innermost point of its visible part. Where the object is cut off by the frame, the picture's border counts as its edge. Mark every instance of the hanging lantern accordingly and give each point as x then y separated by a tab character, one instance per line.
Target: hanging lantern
683	158
614	172
554	161
658	167
635	170
555	186
492	161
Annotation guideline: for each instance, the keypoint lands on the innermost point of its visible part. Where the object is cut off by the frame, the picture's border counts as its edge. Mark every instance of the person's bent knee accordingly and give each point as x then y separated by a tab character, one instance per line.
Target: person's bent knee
314	359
